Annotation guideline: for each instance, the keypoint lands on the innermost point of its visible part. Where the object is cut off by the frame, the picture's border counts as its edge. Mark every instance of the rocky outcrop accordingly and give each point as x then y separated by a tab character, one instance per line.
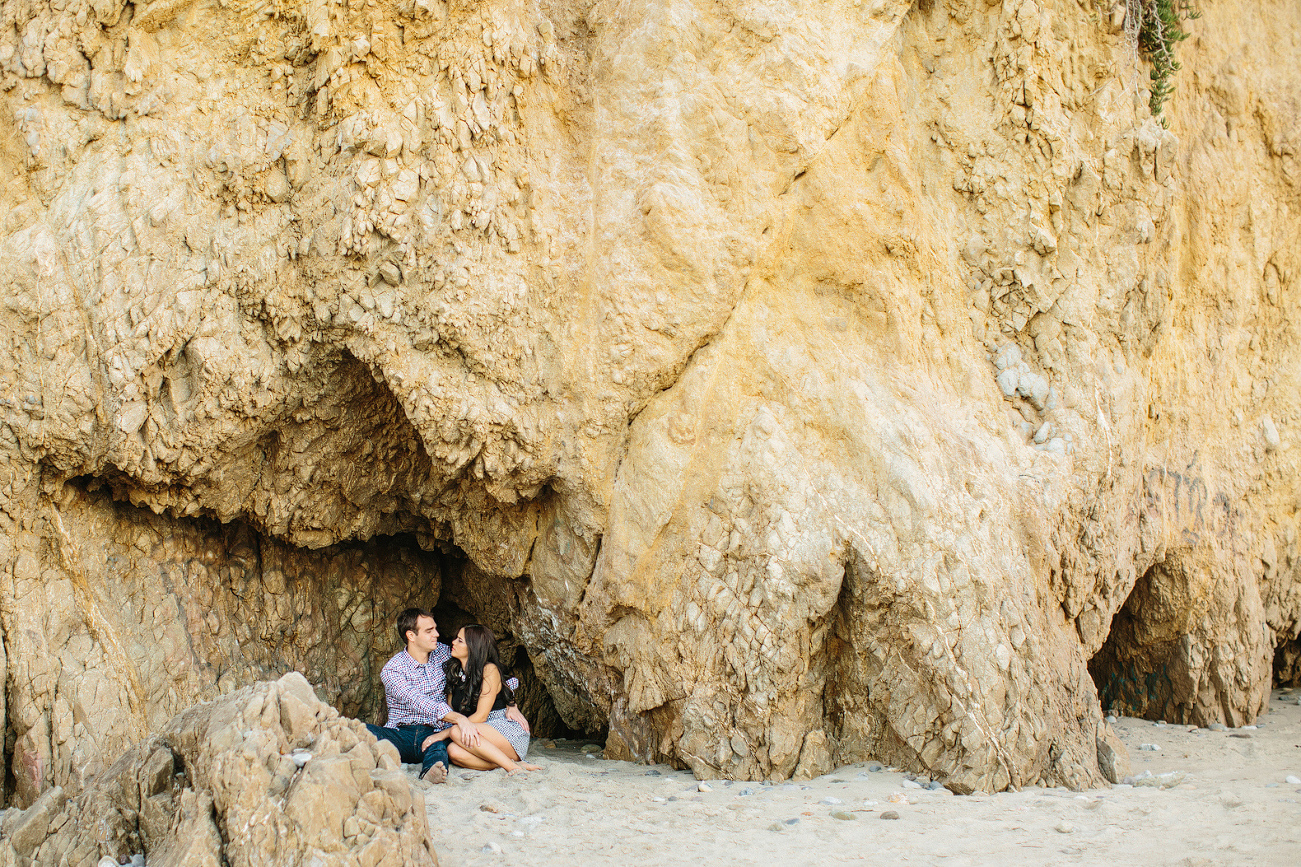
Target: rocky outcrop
792	385
268	775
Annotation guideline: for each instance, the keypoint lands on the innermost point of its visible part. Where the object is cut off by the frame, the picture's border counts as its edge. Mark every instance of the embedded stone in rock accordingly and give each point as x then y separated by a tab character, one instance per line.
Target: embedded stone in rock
218	785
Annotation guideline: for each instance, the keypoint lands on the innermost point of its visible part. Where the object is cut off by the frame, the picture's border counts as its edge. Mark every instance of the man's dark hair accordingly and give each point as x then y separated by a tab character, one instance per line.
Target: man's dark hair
407	622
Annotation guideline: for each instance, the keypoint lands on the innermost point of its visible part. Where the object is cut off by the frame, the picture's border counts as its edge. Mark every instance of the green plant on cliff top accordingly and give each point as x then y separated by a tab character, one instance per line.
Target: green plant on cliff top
1160	28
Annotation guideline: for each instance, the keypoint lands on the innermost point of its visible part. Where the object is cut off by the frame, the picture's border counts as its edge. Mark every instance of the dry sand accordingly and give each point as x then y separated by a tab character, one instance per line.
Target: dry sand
1233	806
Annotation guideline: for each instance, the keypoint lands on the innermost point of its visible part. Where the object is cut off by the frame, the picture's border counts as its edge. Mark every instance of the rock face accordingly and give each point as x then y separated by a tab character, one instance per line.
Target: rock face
793	384
268	775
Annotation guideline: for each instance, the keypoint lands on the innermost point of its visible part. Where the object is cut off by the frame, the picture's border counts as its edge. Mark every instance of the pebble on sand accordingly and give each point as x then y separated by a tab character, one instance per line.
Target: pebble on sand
889	814
704	787
843	814
1065	827
1292	780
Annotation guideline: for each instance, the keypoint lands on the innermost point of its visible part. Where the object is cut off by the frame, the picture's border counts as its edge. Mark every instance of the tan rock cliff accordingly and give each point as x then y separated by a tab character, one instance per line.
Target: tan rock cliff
792	383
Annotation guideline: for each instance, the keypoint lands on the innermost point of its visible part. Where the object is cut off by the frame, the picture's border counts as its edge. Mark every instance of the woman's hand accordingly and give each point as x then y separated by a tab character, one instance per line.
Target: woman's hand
513	714
469	732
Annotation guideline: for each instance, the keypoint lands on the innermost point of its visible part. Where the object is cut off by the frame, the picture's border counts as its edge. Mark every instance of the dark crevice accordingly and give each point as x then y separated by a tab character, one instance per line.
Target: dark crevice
10	735
470	596
839	653
1287	663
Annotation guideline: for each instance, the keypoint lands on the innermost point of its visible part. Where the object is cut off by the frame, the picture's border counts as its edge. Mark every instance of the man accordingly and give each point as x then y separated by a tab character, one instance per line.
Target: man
414	686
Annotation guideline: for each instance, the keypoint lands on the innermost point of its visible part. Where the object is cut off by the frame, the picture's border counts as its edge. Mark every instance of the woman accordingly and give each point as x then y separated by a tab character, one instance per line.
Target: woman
476	690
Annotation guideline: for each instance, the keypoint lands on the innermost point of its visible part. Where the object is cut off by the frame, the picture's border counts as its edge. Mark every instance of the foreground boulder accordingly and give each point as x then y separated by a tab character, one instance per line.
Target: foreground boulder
268	775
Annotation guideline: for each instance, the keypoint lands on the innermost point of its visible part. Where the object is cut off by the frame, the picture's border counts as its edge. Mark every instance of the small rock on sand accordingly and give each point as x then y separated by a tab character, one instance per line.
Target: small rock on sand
889	814
1159	781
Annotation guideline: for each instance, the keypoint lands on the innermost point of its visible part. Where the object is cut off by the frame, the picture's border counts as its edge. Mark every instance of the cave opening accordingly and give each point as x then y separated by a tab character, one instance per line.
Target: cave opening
162	611
326	612
1140	671
288	542
1287	663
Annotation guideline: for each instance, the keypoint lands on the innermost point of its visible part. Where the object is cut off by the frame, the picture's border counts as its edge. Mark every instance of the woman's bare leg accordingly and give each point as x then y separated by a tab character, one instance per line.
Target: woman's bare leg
463	758
499	740
488	748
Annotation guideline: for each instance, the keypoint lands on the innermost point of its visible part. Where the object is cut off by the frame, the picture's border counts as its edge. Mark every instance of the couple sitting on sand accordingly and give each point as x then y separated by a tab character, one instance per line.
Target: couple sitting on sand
451	704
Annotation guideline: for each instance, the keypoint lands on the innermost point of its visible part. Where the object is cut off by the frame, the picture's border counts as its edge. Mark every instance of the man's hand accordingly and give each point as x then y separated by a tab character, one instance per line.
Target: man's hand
513	714
469	732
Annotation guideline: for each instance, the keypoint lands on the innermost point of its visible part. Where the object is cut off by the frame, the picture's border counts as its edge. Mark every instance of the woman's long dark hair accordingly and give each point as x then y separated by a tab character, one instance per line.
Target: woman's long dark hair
464	685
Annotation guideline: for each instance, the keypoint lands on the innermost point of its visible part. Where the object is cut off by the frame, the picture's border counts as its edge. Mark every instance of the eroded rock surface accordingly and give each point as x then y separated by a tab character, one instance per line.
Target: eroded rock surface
798	384
268	775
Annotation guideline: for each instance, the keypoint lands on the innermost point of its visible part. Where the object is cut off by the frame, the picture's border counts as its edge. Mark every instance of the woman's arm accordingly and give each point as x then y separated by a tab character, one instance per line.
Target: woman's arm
488	694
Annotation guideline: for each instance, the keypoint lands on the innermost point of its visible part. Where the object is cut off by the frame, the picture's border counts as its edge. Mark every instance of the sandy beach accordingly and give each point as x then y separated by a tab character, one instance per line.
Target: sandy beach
1226	801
